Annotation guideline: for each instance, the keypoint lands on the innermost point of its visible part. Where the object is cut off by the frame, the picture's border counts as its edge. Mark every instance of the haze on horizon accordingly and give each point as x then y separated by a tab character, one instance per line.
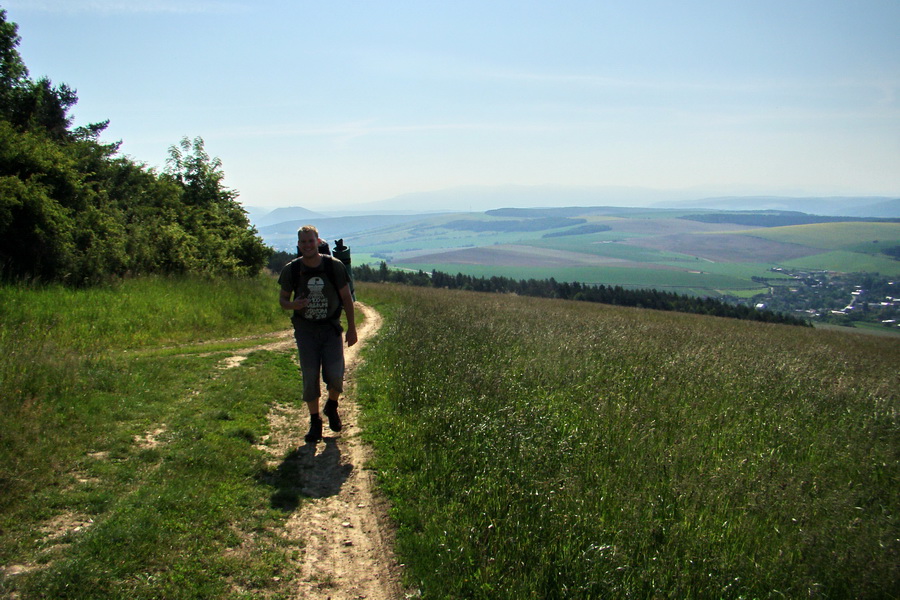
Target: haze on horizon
326	105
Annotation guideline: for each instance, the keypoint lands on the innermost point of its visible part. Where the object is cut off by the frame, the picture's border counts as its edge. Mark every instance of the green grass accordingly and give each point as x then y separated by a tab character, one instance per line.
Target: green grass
145	311
546	449
530	448
848	262
91	508
592	244
832	236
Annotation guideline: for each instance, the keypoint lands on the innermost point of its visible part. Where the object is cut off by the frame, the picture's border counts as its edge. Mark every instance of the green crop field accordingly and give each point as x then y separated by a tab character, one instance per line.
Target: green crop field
832	236
650	250
848	262
546	449
597	245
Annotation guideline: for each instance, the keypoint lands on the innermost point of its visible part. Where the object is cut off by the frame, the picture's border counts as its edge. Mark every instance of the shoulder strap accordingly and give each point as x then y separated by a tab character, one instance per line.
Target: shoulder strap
295	273
329	268
329	272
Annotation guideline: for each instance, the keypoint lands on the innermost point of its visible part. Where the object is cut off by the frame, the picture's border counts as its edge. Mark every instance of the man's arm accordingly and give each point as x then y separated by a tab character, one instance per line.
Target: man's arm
347	299
284	299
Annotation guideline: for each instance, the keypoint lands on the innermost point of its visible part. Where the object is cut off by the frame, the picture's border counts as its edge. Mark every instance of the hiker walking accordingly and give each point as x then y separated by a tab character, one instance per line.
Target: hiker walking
315	286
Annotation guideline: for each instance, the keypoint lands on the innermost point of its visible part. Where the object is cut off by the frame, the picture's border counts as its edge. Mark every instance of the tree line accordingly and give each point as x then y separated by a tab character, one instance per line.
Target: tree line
550	288
72	210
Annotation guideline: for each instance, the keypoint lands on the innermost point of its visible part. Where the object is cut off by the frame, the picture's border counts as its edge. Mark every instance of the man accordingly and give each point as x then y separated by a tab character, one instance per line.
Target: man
315	286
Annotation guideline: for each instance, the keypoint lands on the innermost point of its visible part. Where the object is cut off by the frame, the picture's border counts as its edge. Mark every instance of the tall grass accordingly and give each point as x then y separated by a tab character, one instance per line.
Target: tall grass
544	449
88	508
57	372
140	312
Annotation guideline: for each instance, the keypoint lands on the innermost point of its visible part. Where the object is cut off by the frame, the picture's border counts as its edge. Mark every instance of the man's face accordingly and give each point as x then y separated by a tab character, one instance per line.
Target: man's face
308	244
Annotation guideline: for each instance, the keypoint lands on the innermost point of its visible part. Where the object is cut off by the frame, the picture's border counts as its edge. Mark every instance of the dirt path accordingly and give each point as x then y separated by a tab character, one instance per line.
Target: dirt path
340	530
338	534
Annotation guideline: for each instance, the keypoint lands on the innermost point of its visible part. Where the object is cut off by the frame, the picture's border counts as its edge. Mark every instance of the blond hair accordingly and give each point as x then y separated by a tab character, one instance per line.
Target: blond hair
308	229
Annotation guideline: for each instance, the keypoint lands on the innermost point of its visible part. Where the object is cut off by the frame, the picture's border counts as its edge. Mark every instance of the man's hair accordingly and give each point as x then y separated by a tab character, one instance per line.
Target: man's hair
307	229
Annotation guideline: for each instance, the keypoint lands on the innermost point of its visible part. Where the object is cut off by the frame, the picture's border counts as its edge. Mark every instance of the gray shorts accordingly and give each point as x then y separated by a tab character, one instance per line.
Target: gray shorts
321	350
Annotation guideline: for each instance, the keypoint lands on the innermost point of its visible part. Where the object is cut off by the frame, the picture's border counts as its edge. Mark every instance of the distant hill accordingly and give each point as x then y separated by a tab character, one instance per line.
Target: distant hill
281	215
674	249
283	235
839	206
483	198
888	208
254	214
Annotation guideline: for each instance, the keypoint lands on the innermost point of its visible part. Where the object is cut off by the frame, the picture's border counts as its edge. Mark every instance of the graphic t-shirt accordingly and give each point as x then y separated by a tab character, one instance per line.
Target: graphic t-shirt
315	285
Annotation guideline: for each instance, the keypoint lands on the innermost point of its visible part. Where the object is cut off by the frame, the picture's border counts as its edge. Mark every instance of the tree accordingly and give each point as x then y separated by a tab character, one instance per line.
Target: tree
211	216
71	211
13	73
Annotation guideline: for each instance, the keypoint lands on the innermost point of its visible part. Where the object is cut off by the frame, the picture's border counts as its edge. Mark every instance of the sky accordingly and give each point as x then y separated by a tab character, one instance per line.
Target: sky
331	104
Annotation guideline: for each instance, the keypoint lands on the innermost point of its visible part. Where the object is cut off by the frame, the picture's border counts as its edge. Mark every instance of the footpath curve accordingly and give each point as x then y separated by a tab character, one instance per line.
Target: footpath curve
340	532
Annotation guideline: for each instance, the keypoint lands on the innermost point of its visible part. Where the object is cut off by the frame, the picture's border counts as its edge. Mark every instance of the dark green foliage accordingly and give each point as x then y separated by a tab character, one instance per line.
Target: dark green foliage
550	288
279	259
71	211
210	216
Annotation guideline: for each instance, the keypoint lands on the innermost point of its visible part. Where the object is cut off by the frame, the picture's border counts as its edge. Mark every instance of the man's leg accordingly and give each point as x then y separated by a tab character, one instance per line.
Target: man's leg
308	346
333	374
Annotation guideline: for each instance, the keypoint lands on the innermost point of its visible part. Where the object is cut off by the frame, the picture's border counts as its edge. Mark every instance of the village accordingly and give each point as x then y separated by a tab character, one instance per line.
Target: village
828	297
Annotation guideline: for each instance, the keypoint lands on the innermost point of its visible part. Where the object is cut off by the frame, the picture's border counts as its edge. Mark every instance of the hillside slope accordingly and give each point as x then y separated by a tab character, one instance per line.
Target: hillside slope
549	449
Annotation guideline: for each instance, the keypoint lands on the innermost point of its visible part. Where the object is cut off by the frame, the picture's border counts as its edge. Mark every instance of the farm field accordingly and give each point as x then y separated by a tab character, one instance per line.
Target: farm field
848	262
545	449
654	249
833	236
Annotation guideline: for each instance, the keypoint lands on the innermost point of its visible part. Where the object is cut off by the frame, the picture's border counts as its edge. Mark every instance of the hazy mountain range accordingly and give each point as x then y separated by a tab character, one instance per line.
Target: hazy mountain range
482	198
835	206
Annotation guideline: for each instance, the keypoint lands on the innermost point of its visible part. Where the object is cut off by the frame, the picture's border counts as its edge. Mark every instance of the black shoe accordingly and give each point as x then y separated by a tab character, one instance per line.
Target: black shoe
315	430
334	420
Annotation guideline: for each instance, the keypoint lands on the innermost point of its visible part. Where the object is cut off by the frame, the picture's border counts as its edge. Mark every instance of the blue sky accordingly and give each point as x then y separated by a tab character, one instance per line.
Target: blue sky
334	103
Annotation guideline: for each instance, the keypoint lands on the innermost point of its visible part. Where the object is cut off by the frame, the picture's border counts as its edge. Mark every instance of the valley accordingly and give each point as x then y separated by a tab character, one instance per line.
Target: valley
738	256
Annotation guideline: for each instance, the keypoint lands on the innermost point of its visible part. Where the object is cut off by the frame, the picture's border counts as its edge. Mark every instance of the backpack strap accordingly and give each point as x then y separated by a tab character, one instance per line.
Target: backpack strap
329	272
297	268
295	273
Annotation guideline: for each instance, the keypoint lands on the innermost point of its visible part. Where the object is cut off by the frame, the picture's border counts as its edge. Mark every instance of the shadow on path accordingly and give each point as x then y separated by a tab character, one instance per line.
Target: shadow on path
306	473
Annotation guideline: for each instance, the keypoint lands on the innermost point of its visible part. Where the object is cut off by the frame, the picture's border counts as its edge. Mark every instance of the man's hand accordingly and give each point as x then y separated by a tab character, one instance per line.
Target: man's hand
351	336
284	299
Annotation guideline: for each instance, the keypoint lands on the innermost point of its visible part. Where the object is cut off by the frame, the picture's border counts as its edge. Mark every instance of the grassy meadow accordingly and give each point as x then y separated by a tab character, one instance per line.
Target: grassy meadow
542	449
128	465
530	448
